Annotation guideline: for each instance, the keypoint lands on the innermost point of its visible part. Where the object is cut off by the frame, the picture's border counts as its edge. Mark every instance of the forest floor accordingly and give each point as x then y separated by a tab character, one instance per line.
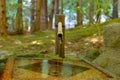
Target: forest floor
42	44
78	41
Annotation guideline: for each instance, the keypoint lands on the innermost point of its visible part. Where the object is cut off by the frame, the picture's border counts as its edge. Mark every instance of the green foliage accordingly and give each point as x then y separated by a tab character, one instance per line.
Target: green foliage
103	6
70	8
11	8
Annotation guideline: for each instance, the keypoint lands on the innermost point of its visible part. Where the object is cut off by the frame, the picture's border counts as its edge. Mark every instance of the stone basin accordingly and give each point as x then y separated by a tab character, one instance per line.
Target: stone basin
49	69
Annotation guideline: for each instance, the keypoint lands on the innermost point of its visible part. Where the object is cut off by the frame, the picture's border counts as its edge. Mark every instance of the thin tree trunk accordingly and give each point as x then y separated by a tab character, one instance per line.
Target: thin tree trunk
51	15
32	16
79	13
3	25
19	21
115	9
91	12
98	15
38	14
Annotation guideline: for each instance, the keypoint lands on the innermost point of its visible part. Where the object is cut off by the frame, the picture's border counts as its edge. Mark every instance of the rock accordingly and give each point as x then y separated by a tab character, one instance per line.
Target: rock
111	35
110	58
91	54
18	42
4	54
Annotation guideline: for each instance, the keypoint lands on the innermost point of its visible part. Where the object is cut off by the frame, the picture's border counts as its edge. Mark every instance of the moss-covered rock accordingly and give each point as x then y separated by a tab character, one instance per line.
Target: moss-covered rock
91	54
112	35
110	58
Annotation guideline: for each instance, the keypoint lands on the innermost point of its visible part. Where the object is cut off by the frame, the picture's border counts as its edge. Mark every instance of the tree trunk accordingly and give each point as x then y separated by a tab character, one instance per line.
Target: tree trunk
51	15
115	9
19	21
3	25
38	14
56	6
98	15
79	13
61	6
32	16
44	16
91	12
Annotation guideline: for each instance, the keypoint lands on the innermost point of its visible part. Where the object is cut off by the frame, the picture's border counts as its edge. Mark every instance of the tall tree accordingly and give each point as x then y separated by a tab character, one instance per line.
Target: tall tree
19	21
115	9
79	13
32	15
61	6
51	14
91	12
38	14
98	10
3	26
56	6
44	16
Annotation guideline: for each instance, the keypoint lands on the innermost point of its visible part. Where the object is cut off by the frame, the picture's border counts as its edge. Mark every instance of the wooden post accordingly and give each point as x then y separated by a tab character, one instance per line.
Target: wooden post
60	40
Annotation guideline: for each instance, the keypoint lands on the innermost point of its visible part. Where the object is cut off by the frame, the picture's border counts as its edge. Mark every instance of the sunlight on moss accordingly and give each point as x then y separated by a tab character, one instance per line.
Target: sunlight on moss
37	42
53	41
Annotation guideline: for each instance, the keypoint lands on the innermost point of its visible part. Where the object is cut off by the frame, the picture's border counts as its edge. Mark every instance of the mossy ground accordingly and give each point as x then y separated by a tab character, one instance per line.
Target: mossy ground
35	43
42	44
77	42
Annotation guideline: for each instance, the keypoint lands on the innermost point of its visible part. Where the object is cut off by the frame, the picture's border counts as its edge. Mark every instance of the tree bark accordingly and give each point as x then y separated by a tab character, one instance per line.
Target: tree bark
56	6
91	12
51	15
19	21
38	14
3	25
61	6
79	13
32	16
115	9
44	16
98	15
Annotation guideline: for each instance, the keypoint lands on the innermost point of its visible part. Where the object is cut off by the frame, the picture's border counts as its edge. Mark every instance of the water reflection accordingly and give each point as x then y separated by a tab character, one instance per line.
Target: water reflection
53	67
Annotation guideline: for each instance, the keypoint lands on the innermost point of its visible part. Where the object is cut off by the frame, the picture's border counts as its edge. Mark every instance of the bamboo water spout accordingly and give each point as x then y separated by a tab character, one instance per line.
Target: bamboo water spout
60	32
60	36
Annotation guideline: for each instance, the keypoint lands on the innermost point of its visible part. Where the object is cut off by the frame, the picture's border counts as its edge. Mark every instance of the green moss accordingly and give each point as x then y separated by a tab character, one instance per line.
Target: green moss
71	57
53	56
91	55
31	55
81	32
117	20
111	35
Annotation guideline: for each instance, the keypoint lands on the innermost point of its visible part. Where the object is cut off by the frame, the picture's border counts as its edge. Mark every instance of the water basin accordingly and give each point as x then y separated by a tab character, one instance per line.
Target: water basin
49	69
46	67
